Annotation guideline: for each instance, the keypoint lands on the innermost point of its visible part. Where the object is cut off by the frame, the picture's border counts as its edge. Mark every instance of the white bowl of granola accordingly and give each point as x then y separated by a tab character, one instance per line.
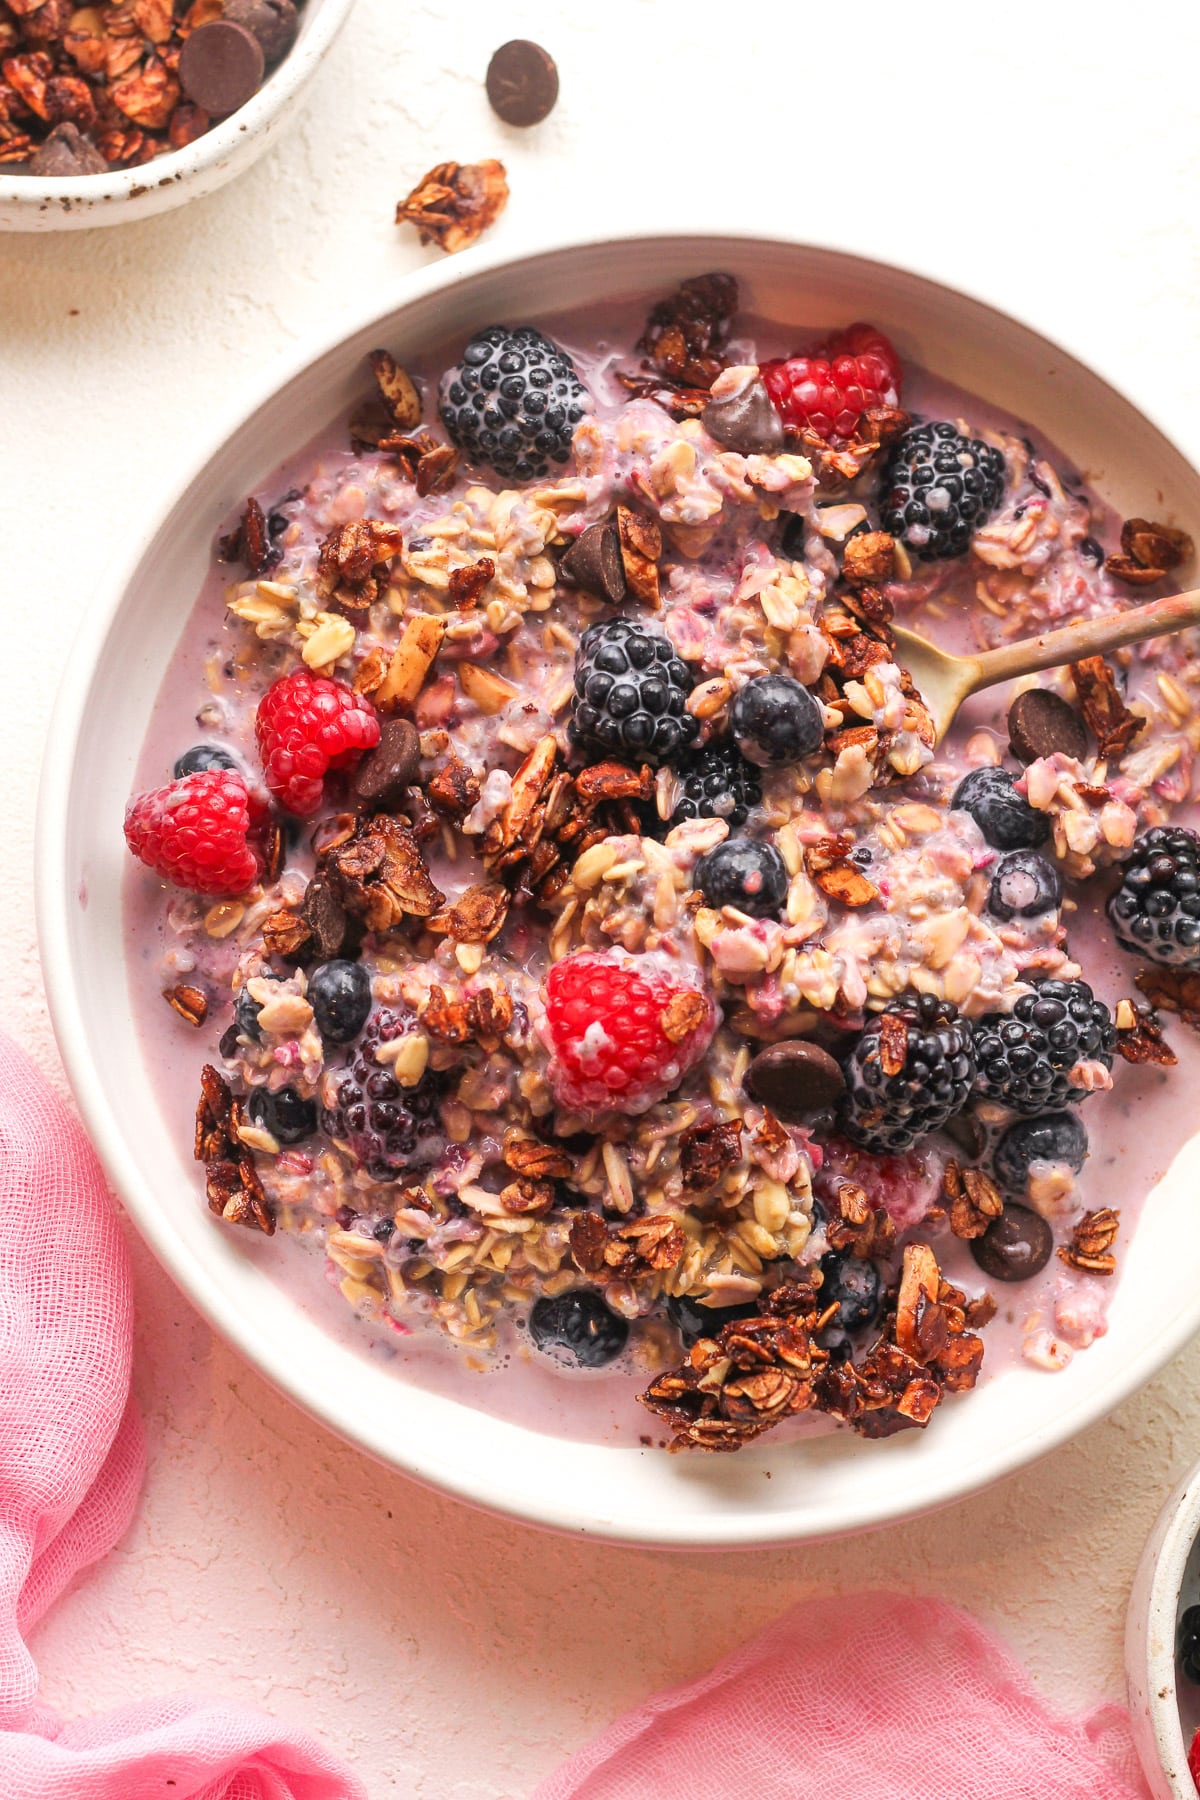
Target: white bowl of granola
76	198
1160	1647
410	1242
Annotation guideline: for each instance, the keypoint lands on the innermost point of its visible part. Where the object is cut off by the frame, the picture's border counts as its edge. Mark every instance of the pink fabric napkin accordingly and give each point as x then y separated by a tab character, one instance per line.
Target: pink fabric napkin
878	1697
70	1471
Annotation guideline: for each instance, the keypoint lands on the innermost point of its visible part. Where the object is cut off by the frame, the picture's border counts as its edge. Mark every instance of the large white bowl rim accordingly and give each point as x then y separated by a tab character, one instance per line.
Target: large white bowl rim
629	1494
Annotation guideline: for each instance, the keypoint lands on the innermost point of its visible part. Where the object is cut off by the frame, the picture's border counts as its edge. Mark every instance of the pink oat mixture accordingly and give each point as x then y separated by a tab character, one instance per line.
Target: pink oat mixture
459	616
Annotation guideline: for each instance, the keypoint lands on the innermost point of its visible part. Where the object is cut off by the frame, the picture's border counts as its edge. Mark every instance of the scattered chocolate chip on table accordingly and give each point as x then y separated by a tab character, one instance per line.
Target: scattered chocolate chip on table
522	83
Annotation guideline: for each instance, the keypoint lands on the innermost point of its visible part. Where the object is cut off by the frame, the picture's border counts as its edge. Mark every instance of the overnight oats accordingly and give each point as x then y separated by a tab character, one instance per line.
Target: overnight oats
577	935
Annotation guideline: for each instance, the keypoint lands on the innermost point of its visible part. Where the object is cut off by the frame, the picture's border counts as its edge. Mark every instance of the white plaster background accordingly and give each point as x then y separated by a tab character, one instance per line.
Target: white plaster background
1054	168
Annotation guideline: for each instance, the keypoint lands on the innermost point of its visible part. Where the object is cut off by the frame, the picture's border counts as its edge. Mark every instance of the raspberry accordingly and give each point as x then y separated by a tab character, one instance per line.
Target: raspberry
305	726
197	832
604	1029
906	1184
389	1128
828	392
1194	1760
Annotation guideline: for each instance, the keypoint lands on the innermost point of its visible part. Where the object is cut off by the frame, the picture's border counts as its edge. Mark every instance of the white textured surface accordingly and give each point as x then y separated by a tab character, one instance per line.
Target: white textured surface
443	1652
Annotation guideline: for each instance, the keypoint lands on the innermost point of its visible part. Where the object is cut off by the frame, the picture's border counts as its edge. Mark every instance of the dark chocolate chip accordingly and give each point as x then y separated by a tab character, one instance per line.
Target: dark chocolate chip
522	83
1040	722
967	1133
795	1079
220	66
386	771
1015	1246
745	421
273	22
67	152
594	562
326	919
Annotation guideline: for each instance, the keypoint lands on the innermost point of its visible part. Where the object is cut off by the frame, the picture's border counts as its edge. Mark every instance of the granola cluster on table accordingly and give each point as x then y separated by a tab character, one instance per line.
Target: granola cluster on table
602	946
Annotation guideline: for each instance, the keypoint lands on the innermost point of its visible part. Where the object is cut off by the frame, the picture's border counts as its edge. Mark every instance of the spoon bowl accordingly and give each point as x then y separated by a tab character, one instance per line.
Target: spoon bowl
945	681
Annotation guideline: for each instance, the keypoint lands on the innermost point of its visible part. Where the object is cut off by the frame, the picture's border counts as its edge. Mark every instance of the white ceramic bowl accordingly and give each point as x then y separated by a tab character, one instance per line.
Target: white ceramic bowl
73	203
836	1485
1167	1580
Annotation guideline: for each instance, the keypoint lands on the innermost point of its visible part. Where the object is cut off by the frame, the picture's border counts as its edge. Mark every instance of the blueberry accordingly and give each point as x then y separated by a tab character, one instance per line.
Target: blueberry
693	1321
1024	885
245	1011
202	757
744	873
774	721
1006	820
577	1327
340	995
1055	1137
856	1287
283	1112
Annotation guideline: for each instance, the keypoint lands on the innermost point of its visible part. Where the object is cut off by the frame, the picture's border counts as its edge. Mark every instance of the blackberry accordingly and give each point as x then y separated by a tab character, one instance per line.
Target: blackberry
886	1112
200	758
718	783
774	721
1156	909
938	488
693	1321
856	1287
1007	821
578	1327
630	690
1054	1137
1024	885
390	1129
339	993
746	874
514	401
1025	1057
283	1112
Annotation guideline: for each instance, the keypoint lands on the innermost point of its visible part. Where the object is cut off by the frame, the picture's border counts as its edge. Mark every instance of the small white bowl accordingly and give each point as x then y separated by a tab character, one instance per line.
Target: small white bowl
1167	1581
768	1493
76	202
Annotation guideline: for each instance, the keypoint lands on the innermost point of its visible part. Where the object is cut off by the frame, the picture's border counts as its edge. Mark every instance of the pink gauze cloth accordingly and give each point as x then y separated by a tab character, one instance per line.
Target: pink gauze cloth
71	1464
875	1697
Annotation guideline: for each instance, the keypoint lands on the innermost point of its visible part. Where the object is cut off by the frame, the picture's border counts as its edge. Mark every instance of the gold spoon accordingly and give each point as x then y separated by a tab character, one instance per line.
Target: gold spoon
944	681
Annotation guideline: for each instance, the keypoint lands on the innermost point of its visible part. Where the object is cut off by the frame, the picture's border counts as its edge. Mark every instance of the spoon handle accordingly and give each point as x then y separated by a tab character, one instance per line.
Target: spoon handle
1054	649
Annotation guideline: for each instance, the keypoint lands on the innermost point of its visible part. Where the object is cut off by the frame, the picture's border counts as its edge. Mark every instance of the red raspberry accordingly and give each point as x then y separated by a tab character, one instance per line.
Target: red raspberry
906	1183
604	1030
828	392
305	726
196	832
1194	1760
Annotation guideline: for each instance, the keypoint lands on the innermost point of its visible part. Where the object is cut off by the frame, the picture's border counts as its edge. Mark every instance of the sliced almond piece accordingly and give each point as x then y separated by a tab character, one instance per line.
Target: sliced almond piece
490	692
411	661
